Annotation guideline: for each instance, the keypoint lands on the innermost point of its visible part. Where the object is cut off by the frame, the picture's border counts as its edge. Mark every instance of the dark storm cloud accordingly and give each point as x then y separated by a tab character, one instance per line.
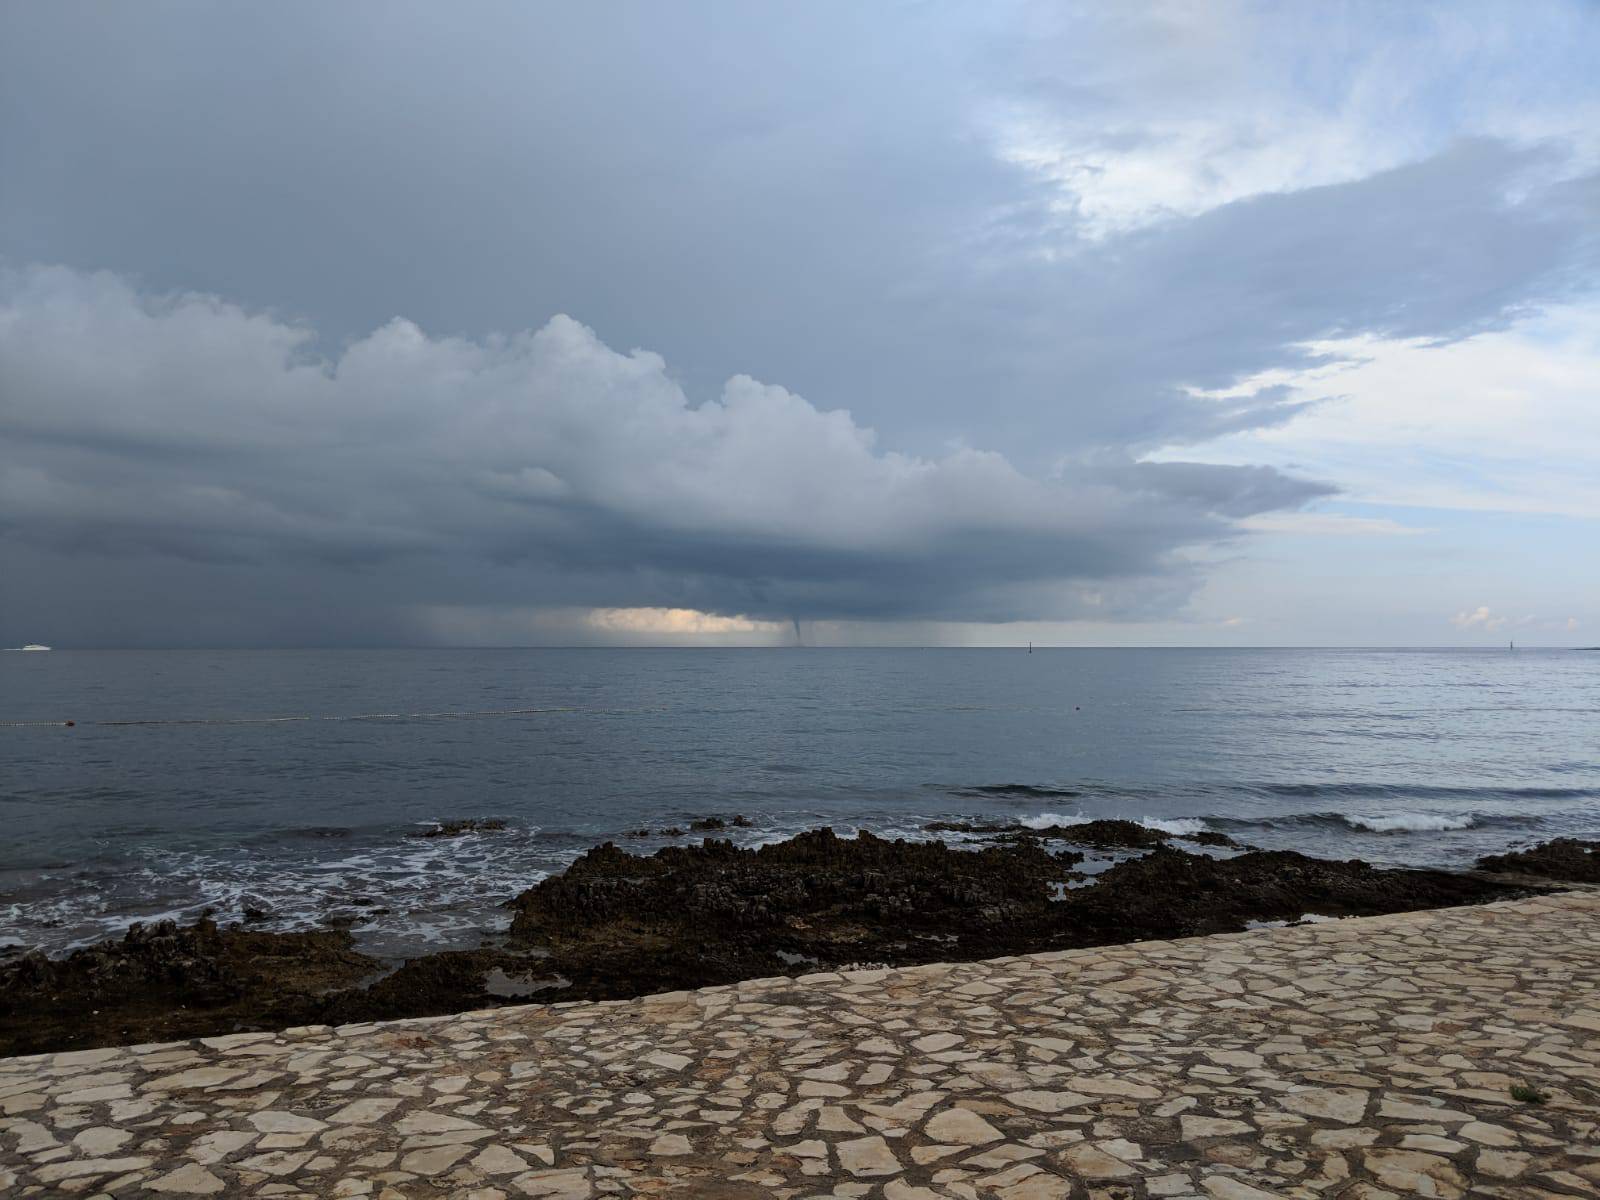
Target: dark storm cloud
809	196
545	467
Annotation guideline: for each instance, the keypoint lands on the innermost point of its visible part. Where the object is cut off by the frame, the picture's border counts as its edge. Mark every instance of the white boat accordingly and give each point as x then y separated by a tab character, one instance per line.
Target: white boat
33	646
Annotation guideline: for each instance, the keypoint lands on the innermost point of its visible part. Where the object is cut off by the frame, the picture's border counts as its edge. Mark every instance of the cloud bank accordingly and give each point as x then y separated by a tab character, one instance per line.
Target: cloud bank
544	469
1052	254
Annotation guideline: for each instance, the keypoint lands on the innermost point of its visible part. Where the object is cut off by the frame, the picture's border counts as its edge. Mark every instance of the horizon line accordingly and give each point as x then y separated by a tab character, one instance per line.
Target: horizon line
1019	646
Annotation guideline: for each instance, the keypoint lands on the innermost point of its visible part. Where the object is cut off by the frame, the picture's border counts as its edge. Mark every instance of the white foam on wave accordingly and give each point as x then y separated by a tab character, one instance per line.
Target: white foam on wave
1050	820
408	893
1176	826
1406	822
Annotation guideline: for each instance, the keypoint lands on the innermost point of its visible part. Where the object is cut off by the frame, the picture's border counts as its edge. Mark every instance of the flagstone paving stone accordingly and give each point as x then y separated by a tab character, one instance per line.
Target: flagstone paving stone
1368	1059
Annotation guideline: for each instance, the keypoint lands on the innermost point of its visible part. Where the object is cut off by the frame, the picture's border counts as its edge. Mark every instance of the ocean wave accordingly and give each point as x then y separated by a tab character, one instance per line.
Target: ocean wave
1408	822
1176	826
1050	819
1384	791
396	893
1394	821
1219	790
1021	790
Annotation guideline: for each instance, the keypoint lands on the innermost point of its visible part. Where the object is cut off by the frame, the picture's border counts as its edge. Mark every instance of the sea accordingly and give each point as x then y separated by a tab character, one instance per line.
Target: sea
140	785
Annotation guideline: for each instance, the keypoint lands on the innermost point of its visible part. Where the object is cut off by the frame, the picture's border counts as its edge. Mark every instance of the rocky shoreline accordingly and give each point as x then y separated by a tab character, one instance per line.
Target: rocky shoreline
616	925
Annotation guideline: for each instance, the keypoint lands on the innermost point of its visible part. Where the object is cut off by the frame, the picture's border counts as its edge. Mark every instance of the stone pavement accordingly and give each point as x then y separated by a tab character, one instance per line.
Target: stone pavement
1365	1058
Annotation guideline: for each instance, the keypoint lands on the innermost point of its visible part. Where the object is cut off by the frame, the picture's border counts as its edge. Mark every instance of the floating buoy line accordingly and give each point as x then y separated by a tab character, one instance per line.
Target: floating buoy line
475	714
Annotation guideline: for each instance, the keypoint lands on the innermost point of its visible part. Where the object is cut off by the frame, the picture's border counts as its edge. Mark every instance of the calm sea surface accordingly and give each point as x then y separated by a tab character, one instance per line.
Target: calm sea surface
1413	757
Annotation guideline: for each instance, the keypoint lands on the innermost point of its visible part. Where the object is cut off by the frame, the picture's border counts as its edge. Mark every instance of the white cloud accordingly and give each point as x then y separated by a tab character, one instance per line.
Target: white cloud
1478	619
1116	179
1168	110
1505	420
1483	620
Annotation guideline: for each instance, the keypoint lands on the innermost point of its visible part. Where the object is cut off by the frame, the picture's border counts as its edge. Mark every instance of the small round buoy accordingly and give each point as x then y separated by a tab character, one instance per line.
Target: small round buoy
70	724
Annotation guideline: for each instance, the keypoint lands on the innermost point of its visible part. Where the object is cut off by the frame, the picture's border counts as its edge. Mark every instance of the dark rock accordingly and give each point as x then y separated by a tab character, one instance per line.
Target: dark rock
717	887
1106	835
1102	835
1169	893
163	981
690	915
702	824
1210	837
616	924
1564	858
461	827
974	827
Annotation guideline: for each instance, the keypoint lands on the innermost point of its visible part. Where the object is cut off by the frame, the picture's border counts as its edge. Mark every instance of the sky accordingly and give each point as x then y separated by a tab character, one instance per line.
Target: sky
895	324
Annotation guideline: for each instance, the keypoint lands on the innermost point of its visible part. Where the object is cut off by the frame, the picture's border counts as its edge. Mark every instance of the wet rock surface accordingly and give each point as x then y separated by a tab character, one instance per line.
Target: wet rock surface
1100	834
1564	858
1364	1060
617	925
711	824
164	980
716	912
461	827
